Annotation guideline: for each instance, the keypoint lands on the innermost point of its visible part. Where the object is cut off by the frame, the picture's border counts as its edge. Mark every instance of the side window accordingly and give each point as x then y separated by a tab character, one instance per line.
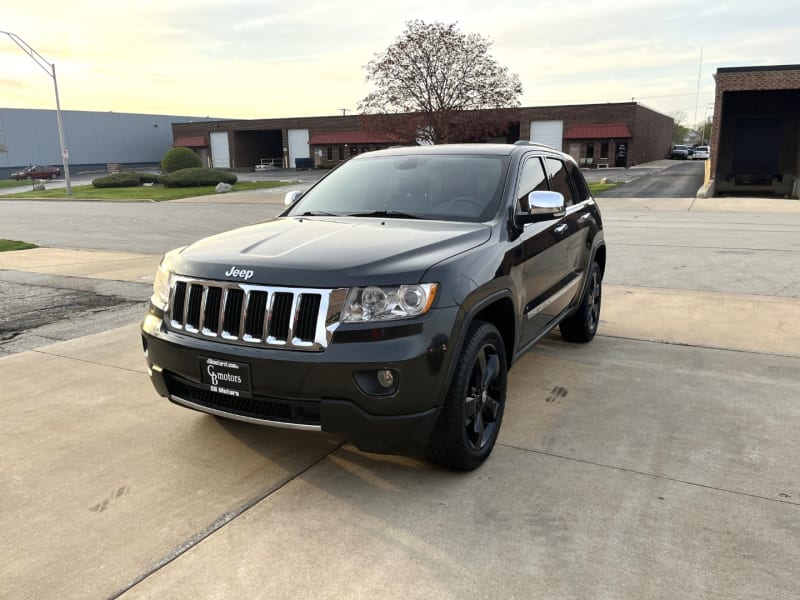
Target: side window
578	183
532	178
559	181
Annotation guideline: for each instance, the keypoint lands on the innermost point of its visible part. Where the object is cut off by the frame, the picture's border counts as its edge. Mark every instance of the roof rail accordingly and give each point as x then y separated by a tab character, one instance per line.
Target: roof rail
527	143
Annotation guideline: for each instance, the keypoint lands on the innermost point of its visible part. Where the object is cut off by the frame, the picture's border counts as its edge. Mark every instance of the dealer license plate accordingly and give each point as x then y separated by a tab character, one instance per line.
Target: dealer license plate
225	376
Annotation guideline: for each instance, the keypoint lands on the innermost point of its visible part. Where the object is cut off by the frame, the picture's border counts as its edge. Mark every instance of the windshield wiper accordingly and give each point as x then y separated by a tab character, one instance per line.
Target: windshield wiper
319	213
394	214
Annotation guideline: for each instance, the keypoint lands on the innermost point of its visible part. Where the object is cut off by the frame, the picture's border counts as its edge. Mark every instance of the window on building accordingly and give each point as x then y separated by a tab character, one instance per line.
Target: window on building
364	149
330	152
353	150
588	154
341	152
604	150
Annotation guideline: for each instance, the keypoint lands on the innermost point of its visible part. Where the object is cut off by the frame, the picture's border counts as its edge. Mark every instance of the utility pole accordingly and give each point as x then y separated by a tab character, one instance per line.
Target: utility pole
344	111
50	69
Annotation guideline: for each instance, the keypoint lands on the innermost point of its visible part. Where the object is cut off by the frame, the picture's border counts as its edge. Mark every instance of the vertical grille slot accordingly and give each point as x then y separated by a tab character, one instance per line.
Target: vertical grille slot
195	299
178	302
256	314
261	316
307	315
233	312
211	315
281	314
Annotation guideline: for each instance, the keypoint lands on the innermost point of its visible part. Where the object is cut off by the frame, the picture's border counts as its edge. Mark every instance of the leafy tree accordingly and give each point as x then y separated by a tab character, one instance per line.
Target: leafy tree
431	82
180	158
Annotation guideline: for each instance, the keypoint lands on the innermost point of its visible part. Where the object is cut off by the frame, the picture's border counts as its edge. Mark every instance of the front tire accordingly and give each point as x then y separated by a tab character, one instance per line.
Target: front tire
582	325
470	420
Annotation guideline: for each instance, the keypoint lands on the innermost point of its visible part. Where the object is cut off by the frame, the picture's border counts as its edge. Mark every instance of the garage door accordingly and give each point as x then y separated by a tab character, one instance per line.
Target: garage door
298	145
550	133
220	153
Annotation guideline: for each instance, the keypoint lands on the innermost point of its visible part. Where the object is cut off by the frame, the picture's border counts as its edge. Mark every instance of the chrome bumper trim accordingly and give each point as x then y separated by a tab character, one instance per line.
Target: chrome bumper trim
227	415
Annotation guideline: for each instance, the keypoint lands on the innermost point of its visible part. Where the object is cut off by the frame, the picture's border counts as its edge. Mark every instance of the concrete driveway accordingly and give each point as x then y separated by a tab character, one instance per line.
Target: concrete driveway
659	461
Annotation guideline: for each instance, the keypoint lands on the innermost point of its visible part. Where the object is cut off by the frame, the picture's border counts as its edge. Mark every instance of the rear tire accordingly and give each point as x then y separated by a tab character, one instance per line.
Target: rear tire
582	325
470	420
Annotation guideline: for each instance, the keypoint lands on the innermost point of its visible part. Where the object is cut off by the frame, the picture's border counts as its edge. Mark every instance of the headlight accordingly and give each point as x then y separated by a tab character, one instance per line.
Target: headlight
162	284
373	303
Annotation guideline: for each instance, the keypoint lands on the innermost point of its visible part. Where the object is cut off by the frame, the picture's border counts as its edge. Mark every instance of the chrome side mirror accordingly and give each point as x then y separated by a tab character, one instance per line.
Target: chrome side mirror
541	206
291	197
546	205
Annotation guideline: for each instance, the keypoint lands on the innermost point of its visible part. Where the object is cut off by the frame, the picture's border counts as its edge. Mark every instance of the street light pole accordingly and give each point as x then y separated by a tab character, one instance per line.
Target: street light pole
50	69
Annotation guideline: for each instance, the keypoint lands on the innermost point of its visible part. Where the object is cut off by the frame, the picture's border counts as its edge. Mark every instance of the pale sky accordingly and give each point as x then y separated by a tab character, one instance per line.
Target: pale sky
260	59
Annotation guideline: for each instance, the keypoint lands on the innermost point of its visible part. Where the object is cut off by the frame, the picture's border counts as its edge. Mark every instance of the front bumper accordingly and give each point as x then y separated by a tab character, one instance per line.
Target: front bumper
333	390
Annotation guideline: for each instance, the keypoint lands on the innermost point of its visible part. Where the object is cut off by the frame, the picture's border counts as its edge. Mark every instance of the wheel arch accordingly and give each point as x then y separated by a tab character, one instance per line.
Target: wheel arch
600	257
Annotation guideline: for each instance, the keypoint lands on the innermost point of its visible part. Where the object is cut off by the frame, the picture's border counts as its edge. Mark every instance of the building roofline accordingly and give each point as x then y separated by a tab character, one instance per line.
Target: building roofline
758	69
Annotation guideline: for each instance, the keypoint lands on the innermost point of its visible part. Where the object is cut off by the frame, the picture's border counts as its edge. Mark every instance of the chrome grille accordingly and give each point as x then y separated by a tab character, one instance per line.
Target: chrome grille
255	315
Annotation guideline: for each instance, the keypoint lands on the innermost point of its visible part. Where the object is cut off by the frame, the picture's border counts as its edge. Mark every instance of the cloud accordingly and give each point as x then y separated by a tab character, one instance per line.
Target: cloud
259	58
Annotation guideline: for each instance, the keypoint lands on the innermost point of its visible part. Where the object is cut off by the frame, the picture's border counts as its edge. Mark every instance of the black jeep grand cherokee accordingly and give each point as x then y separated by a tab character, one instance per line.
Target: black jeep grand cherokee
388	302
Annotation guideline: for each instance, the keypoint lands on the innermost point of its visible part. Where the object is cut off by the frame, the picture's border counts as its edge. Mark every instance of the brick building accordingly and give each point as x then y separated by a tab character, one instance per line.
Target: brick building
596	135
755	143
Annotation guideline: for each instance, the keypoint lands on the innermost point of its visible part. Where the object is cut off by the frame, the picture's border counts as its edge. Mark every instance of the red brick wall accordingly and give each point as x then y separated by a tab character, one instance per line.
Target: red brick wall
648	128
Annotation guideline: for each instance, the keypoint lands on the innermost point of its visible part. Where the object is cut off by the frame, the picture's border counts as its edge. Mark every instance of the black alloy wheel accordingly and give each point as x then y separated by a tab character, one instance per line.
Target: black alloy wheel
482	404
581	326
470	418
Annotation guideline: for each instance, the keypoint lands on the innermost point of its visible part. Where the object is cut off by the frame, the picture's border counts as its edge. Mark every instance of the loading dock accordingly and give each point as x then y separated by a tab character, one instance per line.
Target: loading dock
756	138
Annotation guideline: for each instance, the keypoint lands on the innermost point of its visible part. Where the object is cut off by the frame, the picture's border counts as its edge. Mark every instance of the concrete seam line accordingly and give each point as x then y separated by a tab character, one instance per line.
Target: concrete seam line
687	345
726	248
653	475
218	524
83	360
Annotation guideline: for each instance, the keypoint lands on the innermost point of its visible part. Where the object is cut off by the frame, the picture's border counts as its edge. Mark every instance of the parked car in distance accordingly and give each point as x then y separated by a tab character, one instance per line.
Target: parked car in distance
701	153
34	172
679	152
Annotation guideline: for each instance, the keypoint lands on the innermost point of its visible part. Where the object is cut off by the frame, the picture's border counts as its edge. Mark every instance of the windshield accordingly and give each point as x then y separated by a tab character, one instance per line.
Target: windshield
430	186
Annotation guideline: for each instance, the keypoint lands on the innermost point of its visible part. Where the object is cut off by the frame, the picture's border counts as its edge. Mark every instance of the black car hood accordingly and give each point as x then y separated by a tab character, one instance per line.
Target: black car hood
329	252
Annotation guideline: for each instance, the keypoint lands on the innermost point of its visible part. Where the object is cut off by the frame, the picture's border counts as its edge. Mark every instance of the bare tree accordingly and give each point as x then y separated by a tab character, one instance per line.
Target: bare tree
679	130
432	82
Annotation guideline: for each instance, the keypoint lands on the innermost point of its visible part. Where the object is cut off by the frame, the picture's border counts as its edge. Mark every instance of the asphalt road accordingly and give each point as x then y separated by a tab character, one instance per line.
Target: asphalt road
681	180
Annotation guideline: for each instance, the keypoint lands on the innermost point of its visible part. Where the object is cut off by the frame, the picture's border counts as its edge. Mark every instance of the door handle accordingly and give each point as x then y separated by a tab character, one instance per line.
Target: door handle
561	228
584	217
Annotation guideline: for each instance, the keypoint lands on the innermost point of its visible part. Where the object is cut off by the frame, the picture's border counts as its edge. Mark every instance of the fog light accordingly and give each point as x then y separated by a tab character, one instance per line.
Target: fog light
386	378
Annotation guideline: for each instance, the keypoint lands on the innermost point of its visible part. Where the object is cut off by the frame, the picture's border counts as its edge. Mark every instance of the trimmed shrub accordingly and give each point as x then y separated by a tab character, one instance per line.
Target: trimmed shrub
117	180
180	158
148	178
196	177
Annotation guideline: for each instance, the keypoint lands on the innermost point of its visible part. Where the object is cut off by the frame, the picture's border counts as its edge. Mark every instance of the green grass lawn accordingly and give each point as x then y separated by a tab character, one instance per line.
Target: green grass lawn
156	192
6	245
599	188
10	183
